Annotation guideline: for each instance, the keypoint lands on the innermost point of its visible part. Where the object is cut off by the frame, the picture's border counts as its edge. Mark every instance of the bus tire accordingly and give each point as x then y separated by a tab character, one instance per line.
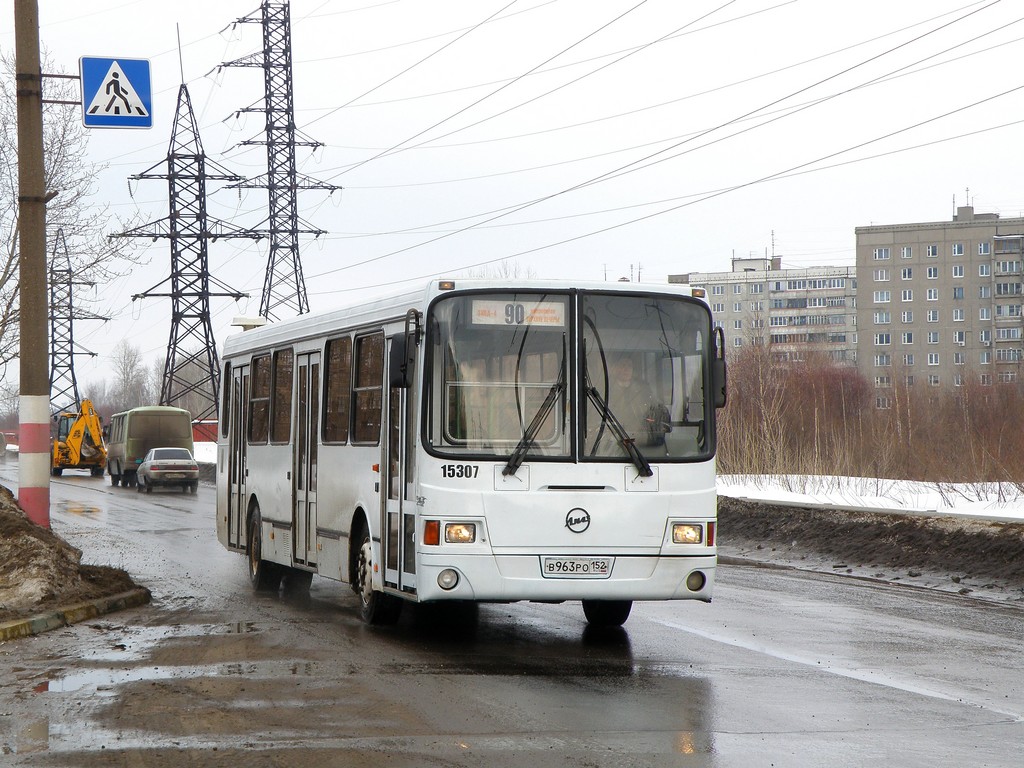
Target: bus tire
375	607
264	576
607	613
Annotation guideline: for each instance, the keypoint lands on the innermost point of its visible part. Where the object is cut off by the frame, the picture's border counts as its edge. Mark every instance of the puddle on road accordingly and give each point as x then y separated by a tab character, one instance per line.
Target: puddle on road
77	508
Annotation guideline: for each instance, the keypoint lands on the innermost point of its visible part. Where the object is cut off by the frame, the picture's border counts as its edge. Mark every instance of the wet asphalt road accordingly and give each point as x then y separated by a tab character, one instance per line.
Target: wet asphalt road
784	669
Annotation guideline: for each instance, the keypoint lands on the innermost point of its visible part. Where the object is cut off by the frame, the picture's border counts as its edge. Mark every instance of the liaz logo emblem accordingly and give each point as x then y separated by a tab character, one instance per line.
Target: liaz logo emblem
578	520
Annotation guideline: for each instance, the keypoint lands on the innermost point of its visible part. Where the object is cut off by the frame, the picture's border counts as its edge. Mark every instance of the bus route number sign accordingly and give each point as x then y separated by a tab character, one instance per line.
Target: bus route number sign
497	312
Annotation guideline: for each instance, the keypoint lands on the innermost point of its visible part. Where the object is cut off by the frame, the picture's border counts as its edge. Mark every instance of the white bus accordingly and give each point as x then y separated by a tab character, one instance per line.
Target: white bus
479	442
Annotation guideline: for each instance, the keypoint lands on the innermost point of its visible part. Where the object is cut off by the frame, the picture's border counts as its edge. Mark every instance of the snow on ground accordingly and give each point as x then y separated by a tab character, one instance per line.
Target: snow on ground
987	501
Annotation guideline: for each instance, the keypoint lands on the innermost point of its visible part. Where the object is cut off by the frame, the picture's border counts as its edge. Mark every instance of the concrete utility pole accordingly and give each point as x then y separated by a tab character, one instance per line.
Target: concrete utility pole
34	403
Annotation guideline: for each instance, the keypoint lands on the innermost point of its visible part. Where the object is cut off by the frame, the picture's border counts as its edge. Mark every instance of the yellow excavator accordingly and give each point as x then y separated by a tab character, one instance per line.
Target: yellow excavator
79	442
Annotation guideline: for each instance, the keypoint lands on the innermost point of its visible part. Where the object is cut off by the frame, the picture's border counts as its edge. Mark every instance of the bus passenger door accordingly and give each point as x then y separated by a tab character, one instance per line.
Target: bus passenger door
307	434
236	456
399	528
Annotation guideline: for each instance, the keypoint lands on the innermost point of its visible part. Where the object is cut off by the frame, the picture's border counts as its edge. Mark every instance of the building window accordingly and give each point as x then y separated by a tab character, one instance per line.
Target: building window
883	360
958	249
958	293
881	275
908	337
933	315
985	358
984	270
883	339
959	358
881	254
960	338
932	294
907	273
958	380
908	359
738	288
906	252
986	379
985	336
907	316
985	313
932	251
984	249
932	273
958	315
883	403
718	308
737	325
737	306
907	294
933	337
757	288
883	318
737	342
883	382
958	270
1007	377
718	290
882	297
933	380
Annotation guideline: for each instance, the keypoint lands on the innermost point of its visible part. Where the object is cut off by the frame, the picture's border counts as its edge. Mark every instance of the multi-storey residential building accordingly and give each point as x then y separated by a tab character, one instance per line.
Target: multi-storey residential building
941	302
797	311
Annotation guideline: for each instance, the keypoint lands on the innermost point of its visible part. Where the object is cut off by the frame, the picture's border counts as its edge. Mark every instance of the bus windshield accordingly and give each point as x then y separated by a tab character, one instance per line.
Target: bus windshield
588	376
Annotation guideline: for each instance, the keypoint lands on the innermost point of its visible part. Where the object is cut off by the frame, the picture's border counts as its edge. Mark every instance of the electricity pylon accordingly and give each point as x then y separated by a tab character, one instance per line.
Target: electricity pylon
284	288
64	395
191	375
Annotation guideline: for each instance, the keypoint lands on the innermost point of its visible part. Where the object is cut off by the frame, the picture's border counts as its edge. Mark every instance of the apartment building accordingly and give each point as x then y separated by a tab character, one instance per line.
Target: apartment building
941	302
797	311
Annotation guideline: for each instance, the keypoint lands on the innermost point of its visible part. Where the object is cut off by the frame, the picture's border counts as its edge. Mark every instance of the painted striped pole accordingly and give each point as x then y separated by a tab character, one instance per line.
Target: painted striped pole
34	405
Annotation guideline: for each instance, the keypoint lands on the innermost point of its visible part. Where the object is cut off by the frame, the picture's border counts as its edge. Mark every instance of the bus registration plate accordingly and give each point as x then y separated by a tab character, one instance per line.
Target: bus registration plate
577	567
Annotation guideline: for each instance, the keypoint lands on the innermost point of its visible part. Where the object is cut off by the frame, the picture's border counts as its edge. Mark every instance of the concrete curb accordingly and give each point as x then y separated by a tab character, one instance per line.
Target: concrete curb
72	614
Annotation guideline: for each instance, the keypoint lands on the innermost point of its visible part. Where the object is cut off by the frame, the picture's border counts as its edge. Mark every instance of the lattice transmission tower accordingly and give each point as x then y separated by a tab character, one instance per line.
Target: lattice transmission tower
64	395
284	288
191	376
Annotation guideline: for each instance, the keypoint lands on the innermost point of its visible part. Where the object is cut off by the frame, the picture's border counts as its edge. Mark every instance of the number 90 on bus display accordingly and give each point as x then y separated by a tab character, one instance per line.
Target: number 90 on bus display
497	312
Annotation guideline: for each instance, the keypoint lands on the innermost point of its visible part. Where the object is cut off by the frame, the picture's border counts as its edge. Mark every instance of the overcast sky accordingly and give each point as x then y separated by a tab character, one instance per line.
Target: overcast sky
581	139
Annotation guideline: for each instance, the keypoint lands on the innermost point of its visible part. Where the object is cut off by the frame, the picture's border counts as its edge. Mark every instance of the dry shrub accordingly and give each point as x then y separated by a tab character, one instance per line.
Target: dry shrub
817	417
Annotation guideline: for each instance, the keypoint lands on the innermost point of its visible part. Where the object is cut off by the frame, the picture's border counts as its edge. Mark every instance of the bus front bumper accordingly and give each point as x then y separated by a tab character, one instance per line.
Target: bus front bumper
505	578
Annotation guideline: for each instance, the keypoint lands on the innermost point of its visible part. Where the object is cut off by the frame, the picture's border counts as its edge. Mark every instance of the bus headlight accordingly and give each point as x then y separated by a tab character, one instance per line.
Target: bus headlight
459	533
687	533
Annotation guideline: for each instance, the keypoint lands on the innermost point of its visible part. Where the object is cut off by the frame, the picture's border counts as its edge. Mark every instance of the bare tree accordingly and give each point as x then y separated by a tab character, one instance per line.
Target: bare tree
132	385
71	178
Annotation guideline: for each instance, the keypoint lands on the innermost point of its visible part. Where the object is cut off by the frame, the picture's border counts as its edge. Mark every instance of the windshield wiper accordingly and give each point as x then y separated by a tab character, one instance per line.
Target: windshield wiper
615	426
527	440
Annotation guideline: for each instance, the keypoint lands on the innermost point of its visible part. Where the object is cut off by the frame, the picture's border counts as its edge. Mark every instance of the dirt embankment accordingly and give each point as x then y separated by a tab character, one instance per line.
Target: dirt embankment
949	553
40	571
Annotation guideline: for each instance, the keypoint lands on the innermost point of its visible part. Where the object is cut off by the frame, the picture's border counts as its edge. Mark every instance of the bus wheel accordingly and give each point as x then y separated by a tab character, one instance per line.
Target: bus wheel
264	576
607	613
375	607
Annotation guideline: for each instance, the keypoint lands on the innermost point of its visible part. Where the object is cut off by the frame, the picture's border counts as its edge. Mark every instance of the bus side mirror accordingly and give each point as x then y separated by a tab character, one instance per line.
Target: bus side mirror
398	363
718	368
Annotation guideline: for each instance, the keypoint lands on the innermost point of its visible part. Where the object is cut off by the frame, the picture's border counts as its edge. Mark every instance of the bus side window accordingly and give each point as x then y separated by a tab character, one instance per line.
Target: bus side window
281	412
338	390
259	400
368	388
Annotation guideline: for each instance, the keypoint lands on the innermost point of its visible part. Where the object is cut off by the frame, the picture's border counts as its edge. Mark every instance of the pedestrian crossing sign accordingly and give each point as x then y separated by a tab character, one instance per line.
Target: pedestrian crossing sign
116	93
